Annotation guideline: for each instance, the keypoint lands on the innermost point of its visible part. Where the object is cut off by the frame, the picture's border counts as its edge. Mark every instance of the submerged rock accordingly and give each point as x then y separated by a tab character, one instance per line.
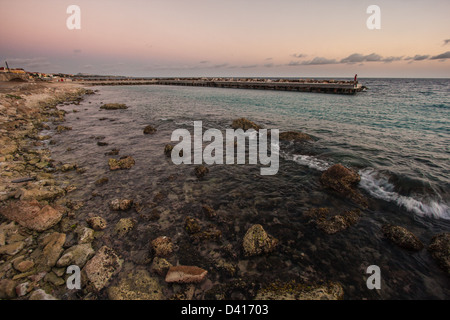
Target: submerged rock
123	163
124	226
402	237
149	130
32	215
201	171
160	266
76	255
138	285
332	224
113	106
294	136
97	223
60	129
257	241
343	181
244	124
294	291
162	246
440	250
186	274
101	268
121	204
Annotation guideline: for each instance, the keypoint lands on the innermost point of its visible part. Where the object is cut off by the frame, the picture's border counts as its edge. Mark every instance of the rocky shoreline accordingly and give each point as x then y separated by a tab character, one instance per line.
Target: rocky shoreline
40	236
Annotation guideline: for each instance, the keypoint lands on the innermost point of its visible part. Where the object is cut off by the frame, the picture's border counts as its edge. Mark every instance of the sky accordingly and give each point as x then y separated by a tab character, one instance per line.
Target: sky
232	38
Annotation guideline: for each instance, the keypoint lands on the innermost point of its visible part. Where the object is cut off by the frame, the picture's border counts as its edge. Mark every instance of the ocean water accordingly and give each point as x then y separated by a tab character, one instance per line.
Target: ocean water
396	135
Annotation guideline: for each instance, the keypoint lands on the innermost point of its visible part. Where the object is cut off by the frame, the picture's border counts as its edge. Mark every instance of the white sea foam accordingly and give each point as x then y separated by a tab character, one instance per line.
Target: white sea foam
379	187
311	162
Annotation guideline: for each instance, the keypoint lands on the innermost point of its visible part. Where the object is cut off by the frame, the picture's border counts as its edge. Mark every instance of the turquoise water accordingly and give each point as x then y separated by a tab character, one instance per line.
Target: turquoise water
396	135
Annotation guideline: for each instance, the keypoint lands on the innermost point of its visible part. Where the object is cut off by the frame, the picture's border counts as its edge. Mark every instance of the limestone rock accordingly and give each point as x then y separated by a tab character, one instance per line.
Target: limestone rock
440	250
162	246
201	171
12	249
185	274
113	106
101	268
244	124
40	294
124	226
160	266
149	130
7	289
294	291
257	241
97	223
32	215
85	235
77	255
121	164
138	285
121	204
402	237
294	136
344	182
53	248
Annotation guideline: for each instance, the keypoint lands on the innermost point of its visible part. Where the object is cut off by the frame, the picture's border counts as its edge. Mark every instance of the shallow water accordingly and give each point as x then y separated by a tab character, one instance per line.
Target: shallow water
396	135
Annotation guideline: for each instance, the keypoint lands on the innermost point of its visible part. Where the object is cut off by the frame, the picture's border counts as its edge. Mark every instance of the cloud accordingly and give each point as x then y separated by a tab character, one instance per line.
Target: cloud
373	57
298	55
418	57
442	56
249	66
222	65
316	61
446	42
204	61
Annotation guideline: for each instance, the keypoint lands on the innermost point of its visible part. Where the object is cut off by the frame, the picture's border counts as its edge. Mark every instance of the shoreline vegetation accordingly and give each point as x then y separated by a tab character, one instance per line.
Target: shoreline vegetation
38	222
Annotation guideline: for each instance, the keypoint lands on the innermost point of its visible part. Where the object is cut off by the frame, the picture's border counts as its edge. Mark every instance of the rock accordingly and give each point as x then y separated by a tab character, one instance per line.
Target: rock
60	129
23	289
201	171
344	182
124	226
40	294
12	249
113	106
77	255
121	204
149	130
185	274
97	223
162	246
101	181
138	285
440	250
53	248
257	241
101	268
336	223
403	238
123	163
192	225
294	291
85	235
113	152
102	143
24	266
7	289
244	124
160	266
208	211
54	279
68	167
294	136
168	150
31	215
48	193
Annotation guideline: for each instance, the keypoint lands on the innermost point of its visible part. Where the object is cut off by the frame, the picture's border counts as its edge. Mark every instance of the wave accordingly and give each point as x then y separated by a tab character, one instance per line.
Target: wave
378	186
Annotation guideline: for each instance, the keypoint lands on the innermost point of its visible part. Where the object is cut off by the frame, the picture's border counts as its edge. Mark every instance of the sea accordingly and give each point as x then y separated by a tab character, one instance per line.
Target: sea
396	135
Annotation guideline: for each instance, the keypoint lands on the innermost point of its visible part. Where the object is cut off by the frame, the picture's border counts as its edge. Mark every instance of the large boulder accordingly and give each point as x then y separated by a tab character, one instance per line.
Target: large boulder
257	241
440	250
402	237
32	215
343	181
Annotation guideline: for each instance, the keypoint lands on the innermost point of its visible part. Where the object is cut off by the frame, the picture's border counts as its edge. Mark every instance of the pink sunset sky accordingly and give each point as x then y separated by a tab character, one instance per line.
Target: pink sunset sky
291	38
